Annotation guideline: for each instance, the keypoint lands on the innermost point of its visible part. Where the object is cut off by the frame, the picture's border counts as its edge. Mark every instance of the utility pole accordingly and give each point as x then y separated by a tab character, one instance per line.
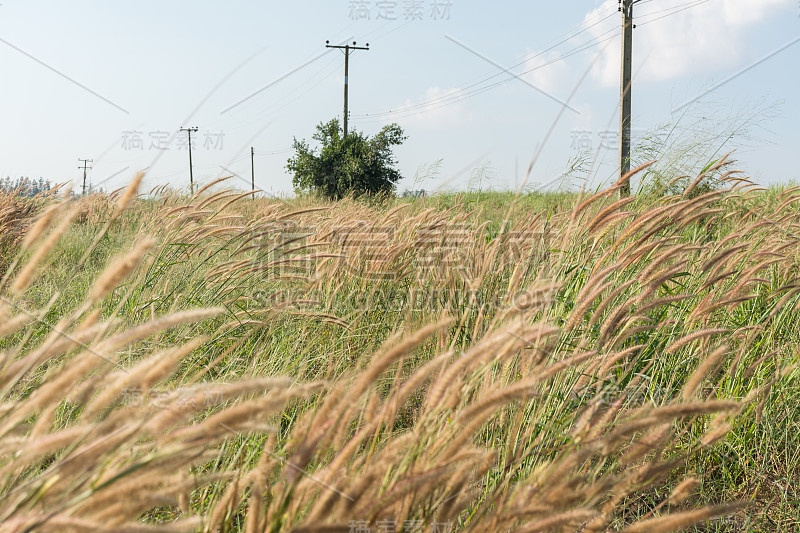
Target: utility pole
252	171
84	167
626	7
191	176
346	49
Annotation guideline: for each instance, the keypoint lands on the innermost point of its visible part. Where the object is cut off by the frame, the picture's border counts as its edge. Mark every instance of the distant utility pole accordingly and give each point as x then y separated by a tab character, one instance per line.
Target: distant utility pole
191	176
626	7
252	171
84	167
346	49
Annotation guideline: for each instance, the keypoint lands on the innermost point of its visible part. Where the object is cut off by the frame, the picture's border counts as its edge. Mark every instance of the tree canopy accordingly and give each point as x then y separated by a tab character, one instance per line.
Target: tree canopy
346	166
25	186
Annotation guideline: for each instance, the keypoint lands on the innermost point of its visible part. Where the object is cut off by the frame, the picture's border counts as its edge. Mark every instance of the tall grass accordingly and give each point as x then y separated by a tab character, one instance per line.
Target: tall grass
218	364
15	212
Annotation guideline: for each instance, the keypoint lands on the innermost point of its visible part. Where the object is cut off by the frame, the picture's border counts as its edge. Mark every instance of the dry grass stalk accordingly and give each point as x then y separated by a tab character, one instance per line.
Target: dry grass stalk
371	446
703	370
688	339
119	270
24	278
683	491
39	227
679	521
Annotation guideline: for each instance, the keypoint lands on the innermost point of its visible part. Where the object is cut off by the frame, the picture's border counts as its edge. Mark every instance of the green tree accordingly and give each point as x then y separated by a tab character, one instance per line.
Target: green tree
346	166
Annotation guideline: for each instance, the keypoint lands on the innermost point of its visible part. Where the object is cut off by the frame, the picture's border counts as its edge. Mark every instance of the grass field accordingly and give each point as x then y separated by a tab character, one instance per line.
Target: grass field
474	362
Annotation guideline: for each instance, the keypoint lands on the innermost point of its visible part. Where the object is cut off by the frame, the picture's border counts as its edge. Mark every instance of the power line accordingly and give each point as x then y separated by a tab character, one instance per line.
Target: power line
542	52
280	104
569	36
676	10
276	152
383	35
671	8
460	95
585	46
508	71
216	165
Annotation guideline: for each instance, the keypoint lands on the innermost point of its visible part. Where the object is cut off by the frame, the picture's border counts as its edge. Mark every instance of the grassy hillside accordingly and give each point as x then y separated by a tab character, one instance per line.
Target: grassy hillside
475	362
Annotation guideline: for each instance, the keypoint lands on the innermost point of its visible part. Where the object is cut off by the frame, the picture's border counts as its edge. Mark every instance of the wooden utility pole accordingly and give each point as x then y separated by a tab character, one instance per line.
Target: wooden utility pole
252	171
626	6
191	176
84	167
346	49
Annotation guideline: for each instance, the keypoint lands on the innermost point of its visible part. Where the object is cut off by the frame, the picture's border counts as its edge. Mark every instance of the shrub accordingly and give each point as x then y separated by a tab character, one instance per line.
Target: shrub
346	166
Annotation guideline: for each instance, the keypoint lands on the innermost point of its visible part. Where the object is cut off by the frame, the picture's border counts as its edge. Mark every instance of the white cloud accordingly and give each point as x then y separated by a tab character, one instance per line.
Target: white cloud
550	78
437	109
706	37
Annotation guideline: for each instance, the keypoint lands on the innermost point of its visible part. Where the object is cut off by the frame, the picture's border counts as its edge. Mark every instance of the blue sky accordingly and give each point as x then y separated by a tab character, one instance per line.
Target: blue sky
138	71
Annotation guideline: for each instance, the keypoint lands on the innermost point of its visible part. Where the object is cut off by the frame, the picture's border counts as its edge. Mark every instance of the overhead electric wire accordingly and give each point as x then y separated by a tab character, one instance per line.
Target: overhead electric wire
383	35
564	37
457	97
276	152
461	91
461	95
671	8
217	164
676	10
365	36
278	105
542	52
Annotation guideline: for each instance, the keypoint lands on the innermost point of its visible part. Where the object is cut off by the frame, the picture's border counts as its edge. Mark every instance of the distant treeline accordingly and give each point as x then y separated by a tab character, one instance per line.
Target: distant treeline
25	186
